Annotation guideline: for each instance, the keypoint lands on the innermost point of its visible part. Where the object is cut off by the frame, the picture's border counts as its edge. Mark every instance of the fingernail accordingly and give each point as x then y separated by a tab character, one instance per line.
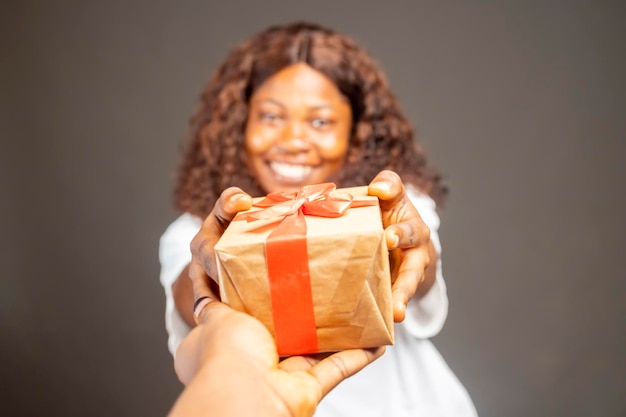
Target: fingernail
382	186
398	299
239	197
401	306
395	241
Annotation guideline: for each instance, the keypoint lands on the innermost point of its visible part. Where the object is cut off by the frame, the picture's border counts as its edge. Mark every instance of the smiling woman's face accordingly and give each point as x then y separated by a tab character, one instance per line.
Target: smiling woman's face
298	129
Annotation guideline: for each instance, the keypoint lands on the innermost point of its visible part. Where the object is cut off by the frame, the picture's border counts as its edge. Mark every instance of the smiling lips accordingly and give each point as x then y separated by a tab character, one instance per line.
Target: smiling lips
290	172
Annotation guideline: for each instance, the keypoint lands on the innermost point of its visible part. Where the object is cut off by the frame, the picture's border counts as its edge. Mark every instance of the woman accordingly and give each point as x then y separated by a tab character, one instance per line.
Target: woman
301	104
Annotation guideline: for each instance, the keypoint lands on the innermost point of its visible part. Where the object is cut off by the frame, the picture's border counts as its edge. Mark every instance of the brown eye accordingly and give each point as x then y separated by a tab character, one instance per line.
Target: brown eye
320	123
269	117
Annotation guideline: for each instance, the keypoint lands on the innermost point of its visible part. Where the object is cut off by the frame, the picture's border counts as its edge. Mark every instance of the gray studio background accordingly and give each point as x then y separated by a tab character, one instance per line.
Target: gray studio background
520	104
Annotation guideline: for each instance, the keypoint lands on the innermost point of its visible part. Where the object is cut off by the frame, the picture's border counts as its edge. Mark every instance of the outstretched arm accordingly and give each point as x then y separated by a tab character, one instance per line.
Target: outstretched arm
230	365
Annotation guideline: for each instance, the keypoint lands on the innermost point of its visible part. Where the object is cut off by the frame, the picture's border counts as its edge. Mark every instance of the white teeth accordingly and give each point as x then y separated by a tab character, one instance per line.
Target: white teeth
293	172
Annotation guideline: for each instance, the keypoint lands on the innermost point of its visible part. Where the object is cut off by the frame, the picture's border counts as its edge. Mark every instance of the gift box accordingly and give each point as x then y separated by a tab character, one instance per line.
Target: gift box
313	267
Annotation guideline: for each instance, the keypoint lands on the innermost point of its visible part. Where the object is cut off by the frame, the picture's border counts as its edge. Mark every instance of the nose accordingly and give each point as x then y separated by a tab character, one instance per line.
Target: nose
293	138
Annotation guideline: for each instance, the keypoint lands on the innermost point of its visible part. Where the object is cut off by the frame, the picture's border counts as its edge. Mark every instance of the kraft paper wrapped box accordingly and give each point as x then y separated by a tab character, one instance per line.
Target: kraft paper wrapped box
318	283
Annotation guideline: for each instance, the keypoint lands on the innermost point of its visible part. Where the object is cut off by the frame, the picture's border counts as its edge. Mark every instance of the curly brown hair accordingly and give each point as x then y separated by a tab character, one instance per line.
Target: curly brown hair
382	138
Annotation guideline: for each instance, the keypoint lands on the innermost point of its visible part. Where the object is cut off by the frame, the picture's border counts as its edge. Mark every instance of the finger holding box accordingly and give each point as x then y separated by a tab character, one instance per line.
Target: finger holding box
408	239
202	266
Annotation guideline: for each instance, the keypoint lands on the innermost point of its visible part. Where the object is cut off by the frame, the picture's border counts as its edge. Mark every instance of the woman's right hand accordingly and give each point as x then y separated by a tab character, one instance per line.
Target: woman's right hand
203	261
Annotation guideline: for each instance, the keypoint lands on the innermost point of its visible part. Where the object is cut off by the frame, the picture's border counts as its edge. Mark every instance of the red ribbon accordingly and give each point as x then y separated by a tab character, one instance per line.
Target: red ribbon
315	200
287	259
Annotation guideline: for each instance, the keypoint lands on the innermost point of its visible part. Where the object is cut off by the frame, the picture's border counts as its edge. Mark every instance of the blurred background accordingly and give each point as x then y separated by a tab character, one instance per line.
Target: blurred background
521	105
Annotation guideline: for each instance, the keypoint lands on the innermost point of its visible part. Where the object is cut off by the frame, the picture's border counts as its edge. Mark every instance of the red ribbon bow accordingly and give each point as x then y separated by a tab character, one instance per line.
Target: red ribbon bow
315	200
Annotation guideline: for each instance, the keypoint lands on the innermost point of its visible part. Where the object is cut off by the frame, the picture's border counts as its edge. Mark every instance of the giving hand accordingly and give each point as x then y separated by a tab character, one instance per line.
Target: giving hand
230	365
413	257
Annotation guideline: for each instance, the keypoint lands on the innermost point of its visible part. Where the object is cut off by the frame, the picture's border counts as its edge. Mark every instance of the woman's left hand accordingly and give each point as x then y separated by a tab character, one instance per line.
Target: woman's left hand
412	254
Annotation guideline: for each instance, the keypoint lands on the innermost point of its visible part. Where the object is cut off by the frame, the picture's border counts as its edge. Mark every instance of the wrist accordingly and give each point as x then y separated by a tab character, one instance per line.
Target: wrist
242	388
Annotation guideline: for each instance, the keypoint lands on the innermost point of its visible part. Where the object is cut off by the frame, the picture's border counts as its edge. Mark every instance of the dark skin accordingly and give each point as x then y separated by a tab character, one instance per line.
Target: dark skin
232	368
412	254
